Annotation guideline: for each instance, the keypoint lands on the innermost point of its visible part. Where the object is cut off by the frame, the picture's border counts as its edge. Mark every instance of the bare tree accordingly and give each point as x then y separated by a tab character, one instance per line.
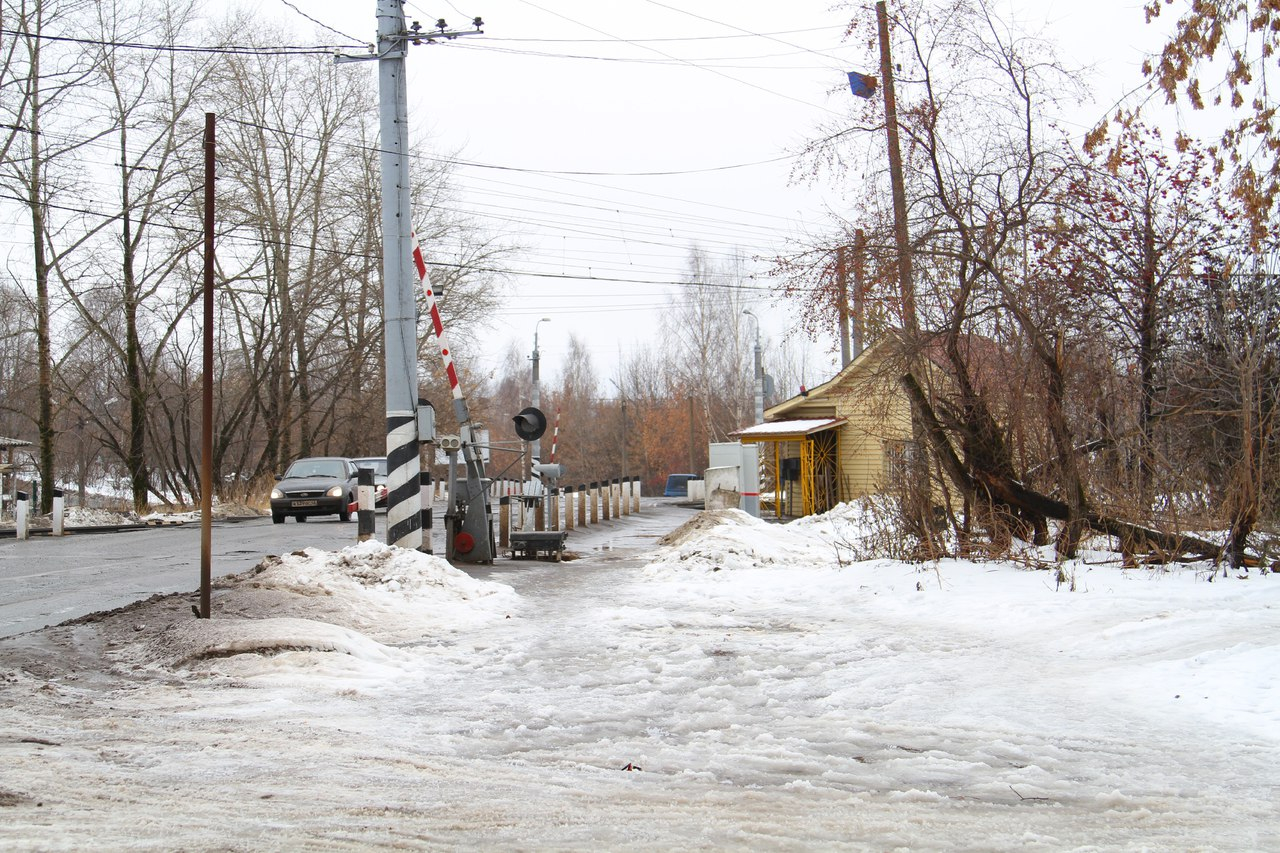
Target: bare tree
40	76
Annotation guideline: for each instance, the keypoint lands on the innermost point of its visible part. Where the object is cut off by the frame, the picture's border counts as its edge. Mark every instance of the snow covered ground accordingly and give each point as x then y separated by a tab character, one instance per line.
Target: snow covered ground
744	686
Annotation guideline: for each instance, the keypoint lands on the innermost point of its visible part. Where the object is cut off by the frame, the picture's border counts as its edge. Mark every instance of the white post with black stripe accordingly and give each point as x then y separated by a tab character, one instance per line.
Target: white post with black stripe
364	503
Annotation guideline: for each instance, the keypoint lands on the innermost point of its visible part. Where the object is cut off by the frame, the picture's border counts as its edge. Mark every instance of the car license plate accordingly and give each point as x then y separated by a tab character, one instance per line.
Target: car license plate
301	504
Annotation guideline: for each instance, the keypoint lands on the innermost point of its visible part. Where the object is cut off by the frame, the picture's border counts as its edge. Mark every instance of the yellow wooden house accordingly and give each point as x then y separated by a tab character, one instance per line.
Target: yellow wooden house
848	437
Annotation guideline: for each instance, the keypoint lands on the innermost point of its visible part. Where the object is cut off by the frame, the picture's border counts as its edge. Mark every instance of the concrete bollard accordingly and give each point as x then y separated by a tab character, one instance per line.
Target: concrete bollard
635	495
21	519
540	513
553	508
568	507
364	504
57	512
425	489
582	504
624	489
504	521
606	500
615	495
593	497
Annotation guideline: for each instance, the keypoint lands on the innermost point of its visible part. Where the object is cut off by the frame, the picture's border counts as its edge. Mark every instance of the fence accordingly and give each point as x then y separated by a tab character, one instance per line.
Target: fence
565	508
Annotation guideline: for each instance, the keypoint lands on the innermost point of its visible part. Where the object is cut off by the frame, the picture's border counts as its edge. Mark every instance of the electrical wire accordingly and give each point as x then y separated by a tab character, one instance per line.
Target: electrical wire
256	242
660	40
318	23
739	29
677	59
235	50
511	51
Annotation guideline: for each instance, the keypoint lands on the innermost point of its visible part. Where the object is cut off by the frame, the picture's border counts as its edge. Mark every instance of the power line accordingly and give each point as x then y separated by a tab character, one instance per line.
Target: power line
735	27
318	23
661	40
236	50
255	241
703	60
500	168
678	59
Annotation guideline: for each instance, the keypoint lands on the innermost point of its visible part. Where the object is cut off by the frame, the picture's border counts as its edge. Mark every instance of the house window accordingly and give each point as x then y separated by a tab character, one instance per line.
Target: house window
899	458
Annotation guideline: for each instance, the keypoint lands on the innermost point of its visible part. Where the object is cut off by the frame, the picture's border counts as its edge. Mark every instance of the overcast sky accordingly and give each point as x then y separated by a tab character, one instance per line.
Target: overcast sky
630	88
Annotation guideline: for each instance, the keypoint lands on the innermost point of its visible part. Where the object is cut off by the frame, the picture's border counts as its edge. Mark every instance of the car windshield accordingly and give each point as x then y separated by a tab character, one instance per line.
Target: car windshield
316	468
379	466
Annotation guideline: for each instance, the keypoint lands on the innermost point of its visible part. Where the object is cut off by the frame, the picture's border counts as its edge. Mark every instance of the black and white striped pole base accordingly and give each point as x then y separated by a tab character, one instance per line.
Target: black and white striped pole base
404	499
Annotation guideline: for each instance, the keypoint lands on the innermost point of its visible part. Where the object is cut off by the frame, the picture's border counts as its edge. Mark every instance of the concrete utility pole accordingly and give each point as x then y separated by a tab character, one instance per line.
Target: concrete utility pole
535	399
399	275
749	480
399	284
758	377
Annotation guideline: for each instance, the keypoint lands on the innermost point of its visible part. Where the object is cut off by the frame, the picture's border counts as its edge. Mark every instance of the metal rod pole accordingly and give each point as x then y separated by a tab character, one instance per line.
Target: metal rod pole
206	429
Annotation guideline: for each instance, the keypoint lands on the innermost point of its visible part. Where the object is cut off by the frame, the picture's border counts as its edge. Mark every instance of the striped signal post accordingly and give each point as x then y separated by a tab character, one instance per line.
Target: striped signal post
555	436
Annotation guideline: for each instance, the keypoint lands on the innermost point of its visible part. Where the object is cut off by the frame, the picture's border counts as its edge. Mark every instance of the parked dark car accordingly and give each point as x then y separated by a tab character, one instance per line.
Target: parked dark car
316	485
379	466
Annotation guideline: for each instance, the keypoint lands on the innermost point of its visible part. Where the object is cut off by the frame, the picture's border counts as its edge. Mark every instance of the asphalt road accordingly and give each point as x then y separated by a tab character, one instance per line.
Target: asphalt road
45	581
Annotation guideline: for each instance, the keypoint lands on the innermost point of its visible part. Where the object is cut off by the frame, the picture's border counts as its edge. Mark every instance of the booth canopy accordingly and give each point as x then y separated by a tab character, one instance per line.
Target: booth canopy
786	430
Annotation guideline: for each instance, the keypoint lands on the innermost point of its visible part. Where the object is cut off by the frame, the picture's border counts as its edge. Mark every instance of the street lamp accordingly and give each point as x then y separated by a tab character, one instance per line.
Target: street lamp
749	481
759	369
623	399
536	444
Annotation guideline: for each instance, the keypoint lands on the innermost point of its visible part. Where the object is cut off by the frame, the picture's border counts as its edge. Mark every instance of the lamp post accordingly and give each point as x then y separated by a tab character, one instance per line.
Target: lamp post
749	482
758	376
622	398
536	444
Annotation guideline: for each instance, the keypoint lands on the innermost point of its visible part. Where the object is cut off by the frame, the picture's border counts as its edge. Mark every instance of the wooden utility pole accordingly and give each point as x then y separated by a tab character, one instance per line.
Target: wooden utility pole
859	291
691	441
842	291
901	235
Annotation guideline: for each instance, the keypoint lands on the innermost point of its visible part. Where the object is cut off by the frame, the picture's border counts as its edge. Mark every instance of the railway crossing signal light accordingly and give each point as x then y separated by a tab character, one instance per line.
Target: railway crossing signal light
530	424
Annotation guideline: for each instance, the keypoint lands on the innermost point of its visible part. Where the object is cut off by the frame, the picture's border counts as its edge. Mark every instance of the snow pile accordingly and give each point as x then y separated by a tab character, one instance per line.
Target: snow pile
230	509
318	616
731	539
187	645
864	529
395	593
79	516
372	570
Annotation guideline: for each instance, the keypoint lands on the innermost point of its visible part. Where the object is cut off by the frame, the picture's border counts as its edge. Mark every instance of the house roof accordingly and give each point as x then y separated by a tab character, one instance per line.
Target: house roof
5	441
867	357
780	430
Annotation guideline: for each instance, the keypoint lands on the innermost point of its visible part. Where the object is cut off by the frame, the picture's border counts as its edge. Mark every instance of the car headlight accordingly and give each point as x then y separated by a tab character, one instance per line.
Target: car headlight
276	494
335	492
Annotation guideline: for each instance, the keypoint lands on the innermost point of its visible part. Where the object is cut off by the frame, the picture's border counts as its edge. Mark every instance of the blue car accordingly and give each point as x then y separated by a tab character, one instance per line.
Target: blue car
678	485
